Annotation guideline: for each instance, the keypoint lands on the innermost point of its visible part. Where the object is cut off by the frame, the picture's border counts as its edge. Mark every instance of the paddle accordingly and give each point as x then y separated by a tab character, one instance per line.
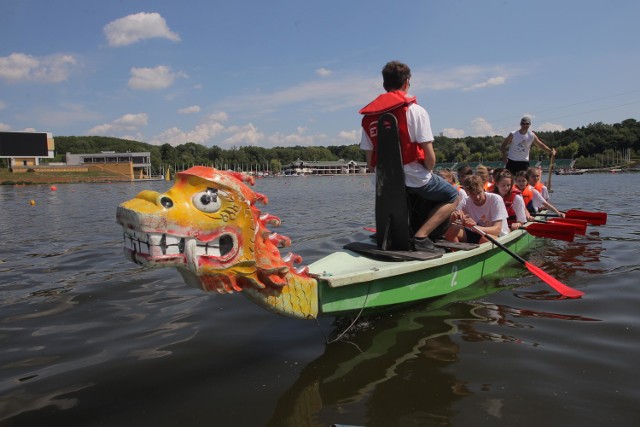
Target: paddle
593	218
545	277
579	224
553	157
549	230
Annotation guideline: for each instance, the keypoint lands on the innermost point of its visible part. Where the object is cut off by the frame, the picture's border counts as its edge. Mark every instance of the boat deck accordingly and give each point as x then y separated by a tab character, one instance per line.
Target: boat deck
345	267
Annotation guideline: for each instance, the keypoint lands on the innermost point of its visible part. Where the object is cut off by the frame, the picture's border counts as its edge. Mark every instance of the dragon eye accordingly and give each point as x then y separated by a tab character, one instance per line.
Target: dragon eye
166	202
207	201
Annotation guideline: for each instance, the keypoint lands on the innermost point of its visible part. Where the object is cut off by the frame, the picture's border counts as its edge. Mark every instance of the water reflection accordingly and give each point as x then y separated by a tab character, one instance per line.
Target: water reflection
404	355
396	369
20	402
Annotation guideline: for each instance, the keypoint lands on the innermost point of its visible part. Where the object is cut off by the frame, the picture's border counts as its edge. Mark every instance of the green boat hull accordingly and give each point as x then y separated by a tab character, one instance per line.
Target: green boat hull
426	279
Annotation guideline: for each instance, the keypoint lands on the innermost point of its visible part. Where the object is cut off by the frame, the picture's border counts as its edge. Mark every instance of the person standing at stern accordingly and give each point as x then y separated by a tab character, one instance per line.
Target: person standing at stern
416	144
515	147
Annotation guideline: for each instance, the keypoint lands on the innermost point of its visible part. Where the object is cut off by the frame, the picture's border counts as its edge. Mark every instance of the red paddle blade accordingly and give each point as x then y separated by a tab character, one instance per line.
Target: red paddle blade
579	224
594	218
549	230
553	282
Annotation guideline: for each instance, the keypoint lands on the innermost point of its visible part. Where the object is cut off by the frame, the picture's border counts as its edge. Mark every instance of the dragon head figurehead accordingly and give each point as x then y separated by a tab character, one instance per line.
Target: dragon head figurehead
208	226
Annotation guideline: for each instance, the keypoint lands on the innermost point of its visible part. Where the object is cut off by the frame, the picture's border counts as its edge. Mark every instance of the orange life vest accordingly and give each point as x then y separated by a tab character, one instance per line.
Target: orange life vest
396	103
539	186
527	195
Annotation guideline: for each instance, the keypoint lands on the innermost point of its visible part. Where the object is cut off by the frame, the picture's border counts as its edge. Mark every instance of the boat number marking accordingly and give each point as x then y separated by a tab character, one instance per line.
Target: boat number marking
454	273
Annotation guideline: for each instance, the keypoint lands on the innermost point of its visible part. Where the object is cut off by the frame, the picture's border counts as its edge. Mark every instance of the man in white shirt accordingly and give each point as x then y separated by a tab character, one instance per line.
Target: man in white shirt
416	142
518	144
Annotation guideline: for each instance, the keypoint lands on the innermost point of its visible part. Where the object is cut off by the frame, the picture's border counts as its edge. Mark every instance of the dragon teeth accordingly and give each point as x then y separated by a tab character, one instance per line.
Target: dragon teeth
158	244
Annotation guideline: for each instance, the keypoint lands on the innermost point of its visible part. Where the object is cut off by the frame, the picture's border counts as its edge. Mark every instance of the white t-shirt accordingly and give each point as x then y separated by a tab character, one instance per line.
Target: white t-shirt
520	146
491	211
545	192
520	209
537	199
415	174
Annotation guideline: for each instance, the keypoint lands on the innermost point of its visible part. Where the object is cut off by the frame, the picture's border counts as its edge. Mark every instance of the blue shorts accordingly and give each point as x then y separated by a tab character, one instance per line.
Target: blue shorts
437	190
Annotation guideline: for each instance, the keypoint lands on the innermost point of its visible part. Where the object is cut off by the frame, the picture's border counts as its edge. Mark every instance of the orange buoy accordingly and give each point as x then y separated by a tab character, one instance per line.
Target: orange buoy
54	188
32	202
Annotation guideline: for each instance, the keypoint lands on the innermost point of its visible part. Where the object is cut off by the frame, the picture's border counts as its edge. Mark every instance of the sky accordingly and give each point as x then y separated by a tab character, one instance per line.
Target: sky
283	73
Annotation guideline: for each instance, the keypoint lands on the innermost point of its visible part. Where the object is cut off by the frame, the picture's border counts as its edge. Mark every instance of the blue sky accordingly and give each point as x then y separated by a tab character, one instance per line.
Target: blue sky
284	73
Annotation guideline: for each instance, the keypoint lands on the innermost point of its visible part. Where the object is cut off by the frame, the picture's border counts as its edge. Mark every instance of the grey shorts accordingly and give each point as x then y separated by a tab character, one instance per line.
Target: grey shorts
437	190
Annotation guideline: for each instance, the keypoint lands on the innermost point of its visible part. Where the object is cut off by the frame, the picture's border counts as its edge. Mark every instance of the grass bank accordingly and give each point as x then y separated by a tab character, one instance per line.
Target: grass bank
27	178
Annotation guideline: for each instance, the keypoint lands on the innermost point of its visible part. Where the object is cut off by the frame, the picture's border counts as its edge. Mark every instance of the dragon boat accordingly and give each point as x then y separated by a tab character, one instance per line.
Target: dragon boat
209	227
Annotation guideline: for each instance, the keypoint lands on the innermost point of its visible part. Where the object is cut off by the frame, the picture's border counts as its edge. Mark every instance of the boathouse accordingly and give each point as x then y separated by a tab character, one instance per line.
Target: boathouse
338	167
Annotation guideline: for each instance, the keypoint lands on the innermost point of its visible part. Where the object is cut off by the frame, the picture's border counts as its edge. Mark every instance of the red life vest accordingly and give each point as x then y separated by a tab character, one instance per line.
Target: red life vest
396	103
508	203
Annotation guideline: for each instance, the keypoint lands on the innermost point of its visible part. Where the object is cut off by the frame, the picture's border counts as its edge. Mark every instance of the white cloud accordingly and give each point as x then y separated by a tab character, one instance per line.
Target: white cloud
481	127
298	138
323	72
160	77
213	132
4	127
126	123
190	110
320	96
465	78
453	133
355	91
132	121
201	134
48	69
550	127
493	81
241	135
218	117
134	28
352	136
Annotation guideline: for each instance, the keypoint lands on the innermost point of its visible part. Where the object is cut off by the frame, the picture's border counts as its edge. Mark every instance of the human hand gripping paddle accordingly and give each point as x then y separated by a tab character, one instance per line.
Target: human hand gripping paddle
545	277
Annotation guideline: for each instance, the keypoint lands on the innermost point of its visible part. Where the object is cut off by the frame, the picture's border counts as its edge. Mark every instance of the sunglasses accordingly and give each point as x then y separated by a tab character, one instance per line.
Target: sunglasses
524	123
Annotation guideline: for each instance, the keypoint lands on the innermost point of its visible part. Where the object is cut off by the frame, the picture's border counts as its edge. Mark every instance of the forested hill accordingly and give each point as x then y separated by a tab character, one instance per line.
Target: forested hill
580	143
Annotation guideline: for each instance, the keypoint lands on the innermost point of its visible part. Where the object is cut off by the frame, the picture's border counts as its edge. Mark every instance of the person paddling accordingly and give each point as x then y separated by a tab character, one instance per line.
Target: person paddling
533	200
484	211
512	197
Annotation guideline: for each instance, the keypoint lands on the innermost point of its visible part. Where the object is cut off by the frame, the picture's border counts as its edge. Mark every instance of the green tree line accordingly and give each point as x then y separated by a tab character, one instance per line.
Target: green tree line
583	143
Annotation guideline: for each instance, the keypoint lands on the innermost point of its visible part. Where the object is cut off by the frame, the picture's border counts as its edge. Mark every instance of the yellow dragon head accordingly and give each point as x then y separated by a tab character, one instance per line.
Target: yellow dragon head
207	226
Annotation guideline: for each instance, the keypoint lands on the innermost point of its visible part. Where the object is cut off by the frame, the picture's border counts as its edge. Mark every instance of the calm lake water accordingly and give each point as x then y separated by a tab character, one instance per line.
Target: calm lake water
90	339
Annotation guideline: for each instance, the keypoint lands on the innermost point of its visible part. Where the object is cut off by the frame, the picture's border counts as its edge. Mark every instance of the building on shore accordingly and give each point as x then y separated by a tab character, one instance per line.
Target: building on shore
135	165
338	167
